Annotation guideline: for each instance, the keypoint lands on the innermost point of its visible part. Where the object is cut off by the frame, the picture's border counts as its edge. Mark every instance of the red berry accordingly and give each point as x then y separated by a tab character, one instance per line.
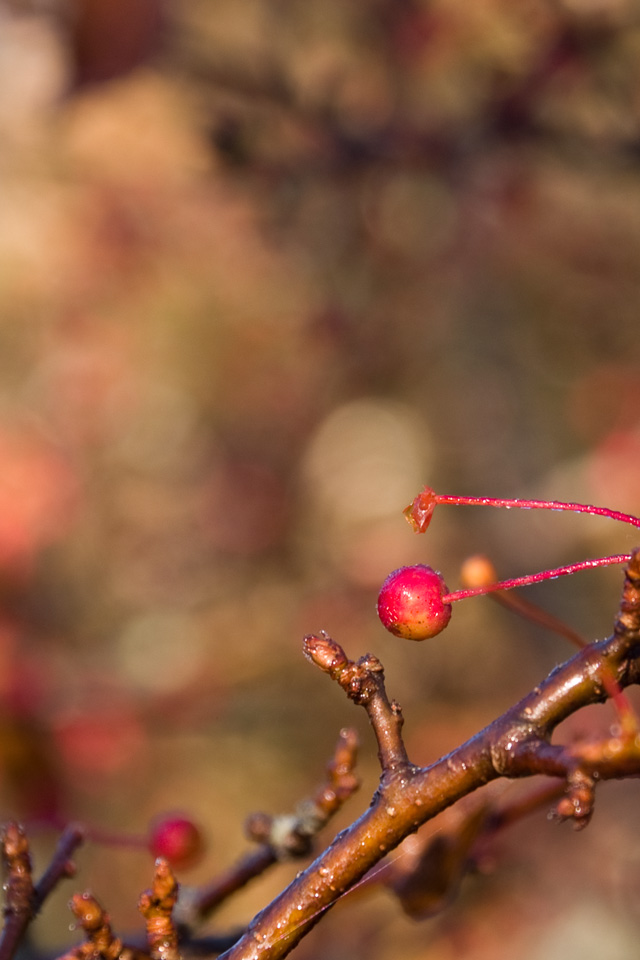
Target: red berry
411	605
178	840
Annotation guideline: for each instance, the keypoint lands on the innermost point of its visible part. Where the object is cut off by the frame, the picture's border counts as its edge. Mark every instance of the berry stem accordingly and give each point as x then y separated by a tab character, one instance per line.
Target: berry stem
536	577
538	505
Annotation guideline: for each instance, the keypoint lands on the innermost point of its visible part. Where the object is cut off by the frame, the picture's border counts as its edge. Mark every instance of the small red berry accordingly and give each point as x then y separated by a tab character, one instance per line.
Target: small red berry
178	840
411	605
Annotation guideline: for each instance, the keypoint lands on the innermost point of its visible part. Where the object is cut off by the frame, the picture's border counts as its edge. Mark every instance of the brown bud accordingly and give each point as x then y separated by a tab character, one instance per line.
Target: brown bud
324	652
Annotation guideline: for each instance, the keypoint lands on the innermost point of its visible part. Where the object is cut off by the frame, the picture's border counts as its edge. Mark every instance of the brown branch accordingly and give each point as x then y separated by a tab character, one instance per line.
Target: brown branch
363	682
22	899
627	625
61	866
19	901
517	744
197	905
100	941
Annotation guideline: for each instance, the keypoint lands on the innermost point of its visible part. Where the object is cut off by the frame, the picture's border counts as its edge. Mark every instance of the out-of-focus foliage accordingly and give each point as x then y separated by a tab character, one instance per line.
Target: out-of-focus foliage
265	269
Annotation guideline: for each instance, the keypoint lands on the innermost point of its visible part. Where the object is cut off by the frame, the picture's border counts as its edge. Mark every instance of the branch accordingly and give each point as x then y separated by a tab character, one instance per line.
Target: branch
363	682
19	907
517	744
61	866
22	899
156	906
100	941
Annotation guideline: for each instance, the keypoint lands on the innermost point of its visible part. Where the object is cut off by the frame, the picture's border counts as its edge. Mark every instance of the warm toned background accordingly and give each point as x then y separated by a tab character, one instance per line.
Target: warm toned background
265	269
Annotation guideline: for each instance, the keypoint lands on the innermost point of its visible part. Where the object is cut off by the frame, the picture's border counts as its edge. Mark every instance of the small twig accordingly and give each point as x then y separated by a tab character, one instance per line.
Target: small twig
291	836
363	682
23	900
194	906
156	906
516	808
100	941
19	893
61	866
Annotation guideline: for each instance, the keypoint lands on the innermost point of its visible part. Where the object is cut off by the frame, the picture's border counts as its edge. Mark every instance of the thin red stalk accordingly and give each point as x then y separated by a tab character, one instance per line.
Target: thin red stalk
536	577
538	505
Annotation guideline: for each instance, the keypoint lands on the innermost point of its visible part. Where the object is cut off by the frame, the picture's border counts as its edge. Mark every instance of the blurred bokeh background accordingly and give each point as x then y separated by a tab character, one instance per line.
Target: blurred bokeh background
265	270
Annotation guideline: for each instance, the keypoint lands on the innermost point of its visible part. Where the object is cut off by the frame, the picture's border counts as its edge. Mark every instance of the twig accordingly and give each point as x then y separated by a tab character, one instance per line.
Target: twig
156	906
19	906
100	941
363	682
194	906
22	899
61	866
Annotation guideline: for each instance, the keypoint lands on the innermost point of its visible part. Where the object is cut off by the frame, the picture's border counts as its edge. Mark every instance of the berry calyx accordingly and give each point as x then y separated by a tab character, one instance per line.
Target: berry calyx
411	603
178	840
